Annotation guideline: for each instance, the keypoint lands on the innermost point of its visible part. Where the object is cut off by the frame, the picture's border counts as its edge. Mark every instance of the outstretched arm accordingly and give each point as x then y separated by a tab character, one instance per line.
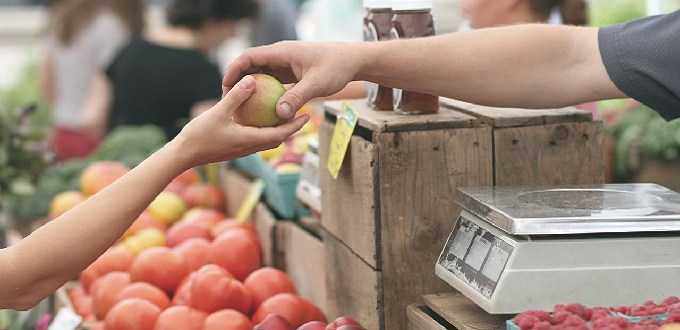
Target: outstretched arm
38	265
529	66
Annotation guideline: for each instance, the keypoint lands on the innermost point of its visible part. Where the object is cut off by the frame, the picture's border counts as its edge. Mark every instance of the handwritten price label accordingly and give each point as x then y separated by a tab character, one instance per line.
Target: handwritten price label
344	127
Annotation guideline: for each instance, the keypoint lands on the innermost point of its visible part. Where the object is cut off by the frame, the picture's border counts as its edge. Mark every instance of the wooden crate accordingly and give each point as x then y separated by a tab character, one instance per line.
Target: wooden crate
423	318
389	212
304	262
541	147
463	314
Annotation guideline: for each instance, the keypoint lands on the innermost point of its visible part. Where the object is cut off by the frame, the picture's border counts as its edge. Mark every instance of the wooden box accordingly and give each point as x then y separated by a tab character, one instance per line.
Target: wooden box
304	262
541	147
423	318
452	311
389	212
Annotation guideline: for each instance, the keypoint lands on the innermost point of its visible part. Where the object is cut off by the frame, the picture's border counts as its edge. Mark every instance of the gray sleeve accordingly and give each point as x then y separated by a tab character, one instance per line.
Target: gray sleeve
642	58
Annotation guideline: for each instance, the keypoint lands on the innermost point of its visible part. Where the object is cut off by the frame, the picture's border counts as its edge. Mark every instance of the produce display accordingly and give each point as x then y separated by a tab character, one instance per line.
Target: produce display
184	265
648	316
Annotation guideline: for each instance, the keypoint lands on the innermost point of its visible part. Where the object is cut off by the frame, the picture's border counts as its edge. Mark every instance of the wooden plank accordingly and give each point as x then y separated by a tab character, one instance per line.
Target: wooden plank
559	154
304	260
462	313
511	117
422	318
353	287
388	121
419	174
349	202
266	226
235	186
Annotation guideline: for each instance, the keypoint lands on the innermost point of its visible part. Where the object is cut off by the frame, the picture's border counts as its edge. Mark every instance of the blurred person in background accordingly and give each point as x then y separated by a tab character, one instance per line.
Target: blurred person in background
83	36
275	22
165	77
489	13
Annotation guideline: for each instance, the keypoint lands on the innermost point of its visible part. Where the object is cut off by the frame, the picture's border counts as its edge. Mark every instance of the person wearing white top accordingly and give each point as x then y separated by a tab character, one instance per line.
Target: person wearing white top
83	37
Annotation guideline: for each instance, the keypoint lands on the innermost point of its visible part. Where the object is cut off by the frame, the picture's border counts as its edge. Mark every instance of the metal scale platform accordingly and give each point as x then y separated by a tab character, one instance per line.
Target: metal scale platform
519	248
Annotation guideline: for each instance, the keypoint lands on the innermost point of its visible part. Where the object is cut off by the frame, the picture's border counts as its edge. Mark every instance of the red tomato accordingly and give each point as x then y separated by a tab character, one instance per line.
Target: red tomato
236	253
214	288
194	251
227	319
145	291
182	231
295	309
87	277
181	317
161	267
265	283
106	290
204	195
114	260
132	314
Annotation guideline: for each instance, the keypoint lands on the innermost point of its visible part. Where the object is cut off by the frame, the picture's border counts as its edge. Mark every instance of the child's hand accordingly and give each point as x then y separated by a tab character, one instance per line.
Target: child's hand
214	136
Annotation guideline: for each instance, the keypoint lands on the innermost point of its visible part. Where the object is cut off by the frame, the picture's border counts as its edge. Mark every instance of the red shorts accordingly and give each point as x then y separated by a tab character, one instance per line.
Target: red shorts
69	144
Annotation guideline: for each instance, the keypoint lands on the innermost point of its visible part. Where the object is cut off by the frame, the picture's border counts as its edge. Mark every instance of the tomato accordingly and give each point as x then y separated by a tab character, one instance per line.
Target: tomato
204	195
265	283
105	292
207	217
145	220
229	224
188	177
145	291
214	288
183	231
132	314
194	251
161	267
87	277
295	309
182	296
181	317
236	253
76	293
83	305
98	326
114	260
227	319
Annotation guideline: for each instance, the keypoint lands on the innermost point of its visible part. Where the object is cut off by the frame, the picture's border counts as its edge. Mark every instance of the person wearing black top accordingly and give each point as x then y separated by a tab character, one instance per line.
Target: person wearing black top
164	77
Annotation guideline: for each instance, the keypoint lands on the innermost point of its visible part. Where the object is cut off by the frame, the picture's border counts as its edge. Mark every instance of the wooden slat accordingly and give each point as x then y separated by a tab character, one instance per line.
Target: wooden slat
419	174
559	154
349	202
388	121
419	319
305	263
235	187
266	226
353	287
462	313
511	117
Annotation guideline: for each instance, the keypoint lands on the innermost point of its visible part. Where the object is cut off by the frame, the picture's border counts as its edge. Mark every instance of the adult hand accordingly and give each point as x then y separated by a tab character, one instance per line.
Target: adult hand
214	136
316	68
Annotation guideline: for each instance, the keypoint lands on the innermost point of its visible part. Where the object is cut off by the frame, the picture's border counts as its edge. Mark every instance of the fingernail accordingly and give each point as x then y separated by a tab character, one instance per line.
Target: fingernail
285	108
247	82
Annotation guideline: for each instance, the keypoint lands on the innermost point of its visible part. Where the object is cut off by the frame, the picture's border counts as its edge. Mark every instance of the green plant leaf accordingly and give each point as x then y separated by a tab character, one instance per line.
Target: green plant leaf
22	187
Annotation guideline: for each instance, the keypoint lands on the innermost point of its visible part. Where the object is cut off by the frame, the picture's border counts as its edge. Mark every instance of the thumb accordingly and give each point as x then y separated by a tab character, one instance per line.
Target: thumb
236	96
298	96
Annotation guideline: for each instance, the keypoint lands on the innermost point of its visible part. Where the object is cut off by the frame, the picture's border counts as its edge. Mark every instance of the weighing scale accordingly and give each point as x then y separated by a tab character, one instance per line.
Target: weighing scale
518	248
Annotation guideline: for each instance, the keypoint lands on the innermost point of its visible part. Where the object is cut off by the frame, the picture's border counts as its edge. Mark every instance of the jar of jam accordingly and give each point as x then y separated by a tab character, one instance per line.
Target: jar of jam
377	27
413	19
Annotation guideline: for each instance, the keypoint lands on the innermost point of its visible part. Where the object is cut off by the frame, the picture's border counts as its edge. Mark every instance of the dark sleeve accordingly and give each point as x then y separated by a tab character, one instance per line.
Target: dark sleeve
642	58
206	83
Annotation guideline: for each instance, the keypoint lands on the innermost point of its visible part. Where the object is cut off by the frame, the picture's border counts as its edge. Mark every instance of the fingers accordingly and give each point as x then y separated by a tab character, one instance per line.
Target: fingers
298	95
236	96
271	137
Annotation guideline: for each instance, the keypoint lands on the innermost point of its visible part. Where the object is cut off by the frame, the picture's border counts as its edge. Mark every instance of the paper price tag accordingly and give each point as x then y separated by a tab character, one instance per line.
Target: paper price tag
66	319
344	127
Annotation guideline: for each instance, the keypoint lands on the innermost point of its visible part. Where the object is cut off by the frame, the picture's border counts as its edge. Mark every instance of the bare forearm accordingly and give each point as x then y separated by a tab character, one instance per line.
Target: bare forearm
58	251
530	66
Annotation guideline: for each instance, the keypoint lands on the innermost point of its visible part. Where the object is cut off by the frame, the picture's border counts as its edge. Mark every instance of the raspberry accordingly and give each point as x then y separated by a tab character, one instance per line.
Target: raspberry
620	321
582	327
543	315
649	303
638	313
558	308
599	323
561	316
622	310
599	315
671	300
542	325
673	318
574	321
577	309
613	327
526	324
657	311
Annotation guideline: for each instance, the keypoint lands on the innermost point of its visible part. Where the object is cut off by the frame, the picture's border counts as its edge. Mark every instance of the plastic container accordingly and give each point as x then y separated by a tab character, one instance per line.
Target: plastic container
377	27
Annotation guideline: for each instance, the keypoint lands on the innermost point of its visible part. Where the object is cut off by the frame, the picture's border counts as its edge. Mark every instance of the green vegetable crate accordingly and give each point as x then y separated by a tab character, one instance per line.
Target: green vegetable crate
279	189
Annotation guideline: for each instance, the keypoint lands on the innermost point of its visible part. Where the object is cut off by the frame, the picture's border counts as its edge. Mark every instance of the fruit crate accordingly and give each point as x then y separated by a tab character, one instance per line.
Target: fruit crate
279	189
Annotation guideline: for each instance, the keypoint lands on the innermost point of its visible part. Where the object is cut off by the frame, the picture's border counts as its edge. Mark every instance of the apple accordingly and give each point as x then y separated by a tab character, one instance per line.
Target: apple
259	110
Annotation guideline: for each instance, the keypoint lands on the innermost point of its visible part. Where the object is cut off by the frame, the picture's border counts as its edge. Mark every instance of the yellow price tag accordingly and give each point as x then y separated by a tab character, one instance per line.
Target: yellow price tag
250	201
344	126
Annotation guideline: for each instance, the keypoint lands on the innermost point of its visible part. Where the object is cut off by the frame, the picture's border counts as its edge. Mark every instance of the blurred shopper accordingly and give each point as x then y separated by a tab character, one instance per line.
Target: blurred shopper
83	37
489	13
275	22
165	77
